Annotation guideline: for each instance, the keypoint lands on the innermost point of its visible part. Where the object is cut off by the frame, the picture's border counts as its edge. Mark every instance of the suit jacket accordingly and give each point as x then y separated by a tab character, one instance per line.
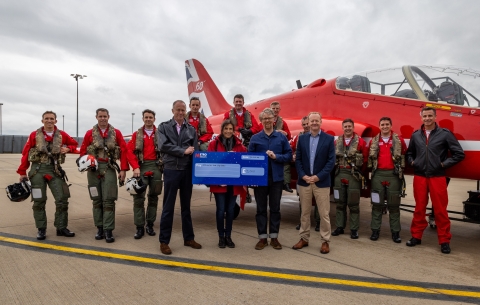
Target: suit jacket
324	159
173	145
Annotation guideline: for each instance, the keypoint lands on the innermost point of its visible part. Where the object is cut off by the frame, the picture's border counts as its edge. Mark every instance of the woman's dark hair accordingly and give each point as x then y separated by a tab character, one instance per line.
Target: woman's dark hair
225	123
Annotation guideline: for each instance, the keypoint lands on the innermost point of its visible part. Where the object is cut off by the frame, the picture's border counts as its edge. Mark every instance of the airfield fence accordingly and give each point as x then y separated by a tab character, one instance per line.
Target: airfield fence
13	144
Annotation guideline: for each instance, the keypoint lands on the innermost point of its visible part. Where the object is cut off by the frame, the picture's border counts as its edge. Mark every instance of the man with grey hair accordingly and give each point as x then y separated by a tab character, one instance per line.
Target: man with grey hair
177	141
278	150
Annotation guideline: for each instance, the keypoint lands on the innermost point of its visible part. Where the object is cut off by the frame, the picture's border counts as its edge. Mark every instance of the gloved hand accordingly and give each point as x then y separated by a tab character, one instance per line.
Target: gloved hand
246	133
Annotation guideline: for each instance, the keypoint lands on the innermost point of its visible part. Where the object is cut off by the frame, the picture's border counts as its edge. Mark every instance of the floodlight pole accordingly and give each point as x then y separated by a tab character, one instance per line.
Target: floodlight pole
76	77
1	119
132	121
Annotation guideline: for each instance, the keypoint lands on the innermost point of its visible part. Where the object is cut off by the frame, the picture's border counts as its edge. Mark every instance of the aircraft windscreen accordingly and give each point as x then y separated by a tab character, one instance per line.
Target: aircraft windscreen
443	84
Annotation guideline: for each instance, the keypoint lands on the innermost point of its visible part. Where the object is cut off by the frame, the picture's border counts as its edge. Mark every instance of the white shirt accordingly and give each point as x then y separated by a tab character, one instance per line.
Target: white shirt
347	141
149	131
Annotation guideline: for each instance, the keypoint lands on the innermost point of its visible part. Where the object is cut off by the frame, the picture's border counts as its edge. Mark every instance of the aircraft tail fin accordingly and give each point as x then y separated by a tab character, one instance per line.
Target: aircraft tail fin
201	85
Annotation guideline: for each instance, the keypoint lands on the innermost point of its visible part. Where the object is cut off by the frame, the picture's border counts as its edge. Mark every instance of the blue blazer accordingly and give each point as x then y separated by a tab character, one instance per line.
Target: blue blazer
324	159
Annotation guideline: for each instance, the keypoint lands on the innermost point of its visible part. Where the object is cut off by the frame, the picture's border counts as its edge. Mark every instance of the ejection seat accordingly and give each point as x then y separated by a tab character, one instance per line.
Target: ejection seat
360	83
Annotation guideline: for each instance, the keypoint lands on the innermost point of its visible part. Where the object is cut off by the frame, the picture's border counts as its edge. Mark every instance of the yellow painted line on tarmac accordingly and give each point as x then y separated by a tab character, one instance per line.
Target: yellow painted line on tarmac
249	272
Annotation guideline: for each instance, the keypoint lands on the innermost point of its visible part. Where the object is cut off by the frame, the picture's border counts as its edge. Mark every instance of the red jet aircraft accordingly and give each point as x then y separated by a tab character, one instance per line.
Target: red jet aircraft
399	93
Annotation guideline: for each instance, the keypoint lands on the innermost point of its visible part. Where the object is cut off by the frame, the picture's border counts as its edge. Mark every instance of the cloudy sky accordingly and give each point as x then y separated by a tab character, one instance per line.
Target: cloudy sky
133	52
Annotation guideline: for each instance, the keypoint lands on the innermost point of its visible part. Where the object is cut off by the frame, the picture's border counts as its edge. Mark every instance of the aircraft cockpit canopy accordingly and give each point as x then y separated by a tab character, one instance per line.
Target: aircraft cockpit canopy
442	84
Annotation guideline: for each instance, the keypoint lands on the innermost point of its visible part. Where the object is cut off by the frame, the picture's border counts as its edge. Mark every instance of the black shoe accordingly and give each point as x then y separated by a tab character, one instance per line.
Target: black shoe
396	237
140	233
100	233
248	199
149	229
445	247
375	235
109	237
338	231
354	234
297	227
41	234
65	232
221	242
413	242
287	188
317	227
229	242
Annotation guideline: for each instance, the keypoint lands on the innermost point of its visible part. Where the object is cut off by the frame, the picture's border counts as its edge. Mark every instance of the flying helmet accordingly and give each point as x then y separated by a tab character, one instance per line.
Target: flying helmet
135	186
19	191
87	162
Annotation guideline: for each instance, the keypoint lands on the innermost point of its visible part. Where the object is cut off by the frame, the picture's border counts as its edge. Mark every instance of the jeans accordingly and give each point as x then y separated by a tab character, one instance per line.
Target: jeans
225	204
175	180
268	196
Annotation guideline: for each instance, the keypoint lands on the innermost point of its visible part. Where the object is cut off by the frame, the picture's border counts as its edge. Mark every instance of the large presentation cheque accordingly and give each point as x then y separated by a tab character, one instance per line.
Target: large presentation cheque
229	168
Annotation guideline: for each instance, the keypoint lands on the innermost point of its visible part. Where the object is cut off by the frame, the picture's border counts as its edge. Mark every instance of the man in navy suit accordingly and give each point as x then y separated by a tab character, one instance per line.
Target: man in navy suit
315	160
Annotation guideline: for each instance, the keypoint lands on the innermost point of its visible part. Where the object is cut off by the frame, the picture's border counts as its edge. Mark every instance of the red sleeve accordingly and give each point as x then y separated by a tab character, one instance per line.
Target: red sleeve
87	140
211	146
287	130
24	163
132	159
256	128
293	144
364	151
208	136
123	151
71	143
404	146
226	115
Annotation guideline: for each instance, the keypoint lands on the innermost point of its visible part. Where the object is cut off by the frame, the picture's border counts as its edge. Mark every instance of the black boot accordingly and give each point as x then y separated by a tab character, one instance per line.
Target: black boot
338	231
229	242
41	234
354	234
65	232
140	233
396	237
149	229
100	233
317	226
248	199
286	187
221	242
375	235
109	237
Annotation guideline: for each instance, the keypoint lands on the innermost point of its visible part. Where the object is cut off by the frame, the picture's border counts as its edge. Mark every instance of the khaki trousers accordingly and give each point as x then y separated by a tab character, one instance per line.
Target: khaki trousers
322	196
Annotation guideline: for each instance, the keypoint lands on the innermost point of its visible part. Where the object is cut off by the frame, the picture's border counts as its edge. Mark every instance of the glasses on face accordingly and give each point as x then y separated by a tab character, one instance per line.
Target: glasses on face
267	118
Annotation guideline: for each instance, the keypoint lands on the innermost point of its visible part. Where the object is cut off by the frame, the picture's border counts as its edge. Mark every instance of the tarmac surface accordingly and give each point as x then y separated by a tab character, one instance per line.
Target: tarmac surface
82	270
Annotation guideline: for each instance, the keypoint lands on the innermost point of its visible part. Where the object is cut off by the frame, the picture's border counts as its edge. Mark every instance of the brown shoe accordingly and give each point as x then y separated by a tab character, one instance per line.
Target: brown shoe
300	244
275	244
325	248
165	249
262	243
192	243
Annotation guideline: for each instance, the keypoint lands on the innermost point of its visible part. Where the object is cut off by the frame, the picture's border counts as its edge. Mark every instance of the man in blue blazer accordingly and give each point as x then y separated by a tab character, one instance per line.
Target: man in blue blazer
315	160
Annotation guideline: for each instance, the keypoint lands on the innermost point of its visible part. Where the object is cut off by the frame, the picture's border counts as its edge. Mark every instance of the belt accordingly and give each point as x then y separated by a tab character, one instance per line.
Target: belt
347	167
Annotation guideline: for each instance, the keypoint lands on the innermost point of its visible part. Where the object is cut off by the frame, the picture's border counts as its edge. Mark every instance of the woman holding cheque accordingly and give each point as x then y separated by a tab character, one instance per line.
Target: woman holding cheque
226	195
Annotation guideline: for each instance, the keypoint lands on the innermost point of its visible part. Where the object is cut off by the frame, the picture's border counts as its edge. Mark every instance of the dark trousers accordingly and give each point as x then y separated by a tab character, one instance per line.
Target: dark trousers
225	205
268	196
175	180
